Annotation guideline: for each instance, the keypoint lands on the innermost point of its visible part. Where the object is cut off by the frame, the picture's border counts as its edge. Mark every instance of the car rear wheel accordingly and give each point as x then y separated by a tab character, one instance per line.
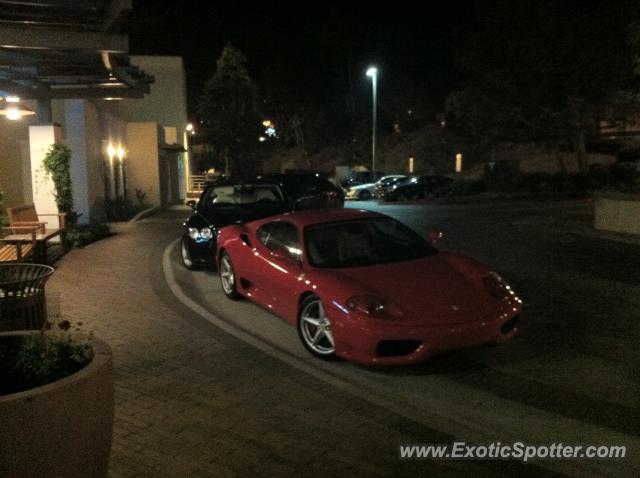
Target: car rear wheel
186	256
314	329
228	277
403	197
364	195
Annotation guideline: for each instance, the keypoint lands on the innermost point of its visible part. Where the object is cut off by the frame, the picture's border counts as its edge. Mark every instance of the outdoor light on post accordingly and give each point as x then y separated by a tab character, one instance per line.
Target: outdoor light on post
372	72
188	129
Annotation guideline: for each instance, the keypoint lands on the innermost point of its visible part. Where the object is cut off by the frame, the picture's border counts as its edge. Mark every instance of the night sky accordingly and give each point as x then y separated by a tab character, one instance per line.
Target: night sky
311	56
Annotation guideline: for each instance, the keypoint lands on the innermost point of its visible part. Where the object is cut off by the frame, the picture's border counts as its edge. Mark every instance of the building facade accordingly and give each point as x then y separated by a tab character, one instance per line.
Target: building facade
122	149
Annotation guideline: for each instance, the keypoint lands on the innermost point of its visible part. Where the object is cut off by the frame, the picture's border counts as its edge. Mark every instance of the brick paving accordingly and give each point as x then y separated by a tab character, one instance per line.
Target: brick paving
193	401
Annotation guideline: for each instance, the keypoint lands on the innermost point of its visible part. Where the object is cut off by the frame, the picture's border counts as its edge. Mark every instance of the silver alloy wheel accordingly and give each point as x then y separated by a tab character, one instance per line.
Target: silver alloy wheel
315	328
186	257
227	276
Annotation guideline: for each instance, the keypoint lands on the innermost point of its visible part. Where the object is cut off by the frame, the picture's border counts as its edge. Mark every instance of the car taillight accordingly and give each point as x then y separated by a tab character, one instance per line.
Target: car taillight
375	307
497	287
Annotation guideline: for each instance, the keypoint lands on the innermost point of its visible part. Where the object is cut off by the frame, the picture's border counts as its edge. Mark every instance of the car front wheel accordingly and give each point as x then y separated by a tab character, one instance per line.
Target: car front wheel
364	195
314	329
186	256
228	277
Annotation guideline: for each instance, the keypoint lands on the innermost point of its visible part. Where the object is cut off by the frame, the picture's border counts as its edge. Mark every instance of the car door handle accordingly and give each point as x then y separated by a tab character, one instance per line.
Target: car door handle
245	240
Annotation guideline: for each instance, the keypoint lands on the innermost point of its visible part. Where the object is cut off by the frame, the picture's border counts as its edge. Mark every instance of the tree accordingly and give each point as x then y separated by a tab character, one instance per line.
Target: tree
228	109
546	72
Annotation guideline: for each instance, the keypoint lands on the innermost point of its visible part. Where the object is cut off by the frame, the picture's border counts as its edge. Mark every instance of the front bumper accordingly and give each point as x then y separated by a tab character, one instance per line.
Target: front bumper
201	253
351	194
371	343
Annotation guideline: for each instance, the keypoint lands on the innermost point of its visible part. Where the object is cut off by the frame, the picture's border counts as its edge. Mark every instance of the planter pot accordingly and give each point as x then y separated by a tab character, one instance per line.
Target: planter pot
62	429
618	212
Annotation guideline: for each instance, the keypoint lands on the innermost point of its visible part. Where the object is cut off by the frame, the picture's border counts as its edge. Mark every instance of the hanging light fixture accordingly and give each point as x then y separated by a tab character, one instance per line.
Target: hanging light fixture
13	109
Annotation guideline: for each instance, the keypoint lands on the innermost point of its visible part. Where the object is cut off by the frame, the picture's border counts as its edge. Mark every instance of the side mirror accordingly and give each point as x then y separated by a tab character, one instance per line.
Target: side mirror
435	236
191	203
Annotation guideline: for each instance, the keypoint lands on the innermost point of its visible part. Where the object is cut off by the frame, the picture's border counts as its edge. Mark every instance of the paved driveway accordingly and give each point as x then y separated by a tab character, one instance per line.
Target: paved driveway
194	400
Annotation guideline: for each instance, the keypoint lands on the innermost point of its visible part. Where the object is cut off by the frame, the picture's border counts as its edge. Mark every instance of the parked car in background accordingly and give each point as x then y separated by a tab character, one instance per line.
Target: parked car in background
417	187
361	177
306	190
362	286
222	204
364	192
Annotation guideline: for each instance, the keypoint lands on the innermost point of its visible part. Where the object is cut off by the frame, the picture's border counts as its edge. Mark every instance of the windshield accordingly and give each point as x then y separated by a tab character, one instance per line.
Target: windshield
238	195
363	242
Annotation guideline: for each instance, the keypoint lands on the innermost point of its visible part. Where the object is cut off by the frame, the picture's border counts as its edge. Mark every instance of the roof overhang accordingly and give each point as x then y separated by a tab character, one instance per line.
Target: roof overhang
67	49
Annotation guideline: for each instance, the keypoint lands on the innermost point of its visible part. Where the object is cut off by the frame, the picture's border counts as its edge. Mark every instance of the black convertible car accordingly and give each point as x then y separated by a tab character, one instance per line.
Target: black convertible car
223	204
228	202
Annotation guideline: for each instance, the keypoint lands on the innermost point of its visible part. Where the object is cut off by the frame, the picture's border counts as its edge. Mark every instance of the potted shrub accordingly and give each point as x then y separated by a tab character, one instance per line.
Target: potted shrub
56	403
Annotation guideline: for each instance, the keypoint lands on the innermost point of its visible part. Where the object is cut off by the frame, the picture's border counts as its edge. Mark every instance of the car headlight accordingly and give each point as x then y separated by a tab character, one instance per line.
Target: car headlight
497	287
375	307
206	233
202	235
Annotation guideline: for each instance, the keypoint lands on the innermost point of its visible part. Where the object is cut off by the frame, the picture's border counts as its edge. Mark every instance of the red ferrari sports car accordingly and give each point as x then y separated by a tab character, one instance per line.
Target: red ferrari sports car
362	286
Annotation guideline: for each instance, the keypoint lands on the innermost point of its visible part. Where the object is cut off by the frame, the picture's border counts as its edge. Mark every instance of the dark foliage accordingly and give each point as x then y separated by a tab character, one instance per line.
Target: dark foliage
39	359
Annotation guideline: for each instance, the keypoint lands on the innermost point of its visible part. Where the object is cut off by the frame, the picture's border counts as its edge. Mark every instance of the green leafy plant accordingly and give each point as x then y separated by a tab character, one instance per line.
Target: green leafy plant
56	164
81	235
42	358
123	209
141	196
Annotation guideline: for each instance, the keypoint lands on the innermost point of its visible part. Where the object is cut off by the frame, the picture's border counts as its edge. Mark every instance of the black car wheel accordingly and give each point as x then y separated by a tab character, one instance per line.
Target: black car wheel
402	197
186	256
364	195
228	277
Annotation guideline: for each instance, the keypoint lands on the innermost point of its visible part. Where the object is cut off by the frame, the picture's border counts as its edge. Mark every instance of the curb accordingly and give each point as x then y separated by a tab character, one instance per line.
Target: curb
602	235
117	227
144	214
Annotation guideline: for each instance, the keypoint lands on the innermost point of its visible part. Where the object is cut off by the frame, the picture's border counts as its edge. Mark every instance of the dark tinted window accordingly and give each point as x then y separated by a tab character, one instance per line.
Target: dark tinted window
363	242
239	194
280	235
265	231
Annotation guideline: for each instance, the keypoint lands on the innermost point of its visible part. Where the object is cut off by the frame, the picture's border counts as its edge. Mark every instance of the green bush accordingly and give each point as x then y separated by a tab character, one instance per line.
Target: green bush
81	235
56	164
41	358
123	209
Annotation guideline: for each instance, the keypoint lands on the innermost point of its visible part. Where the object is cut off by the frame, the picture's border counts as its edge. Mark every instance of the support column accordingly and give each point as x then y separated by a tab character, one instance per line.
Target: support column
76	129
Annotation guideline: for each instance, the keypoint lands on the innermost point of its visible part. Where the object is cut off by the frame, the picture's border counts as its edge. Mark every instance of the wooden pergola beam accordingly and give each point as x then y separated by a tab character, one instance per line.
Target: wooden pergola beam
34	38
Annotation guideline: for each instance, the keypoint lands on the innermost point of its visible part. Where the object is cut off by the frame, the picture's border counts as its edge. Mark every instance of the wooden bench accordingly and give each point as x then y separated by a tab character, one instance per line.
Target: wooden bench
18	249
26	216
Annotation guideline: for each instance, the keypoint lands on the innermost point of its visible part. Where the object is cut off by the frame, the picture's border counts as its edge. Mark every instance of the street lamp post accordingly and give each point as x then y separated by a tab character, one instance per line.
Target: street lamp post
372	72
